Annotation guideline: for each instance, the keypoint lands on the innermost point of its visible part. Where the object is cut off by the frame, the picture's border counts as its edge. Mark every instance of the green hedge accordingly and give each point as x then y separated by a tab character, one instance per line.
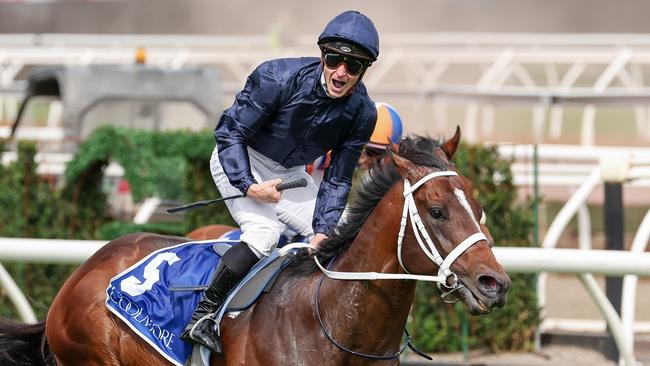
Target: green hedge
30	206
33	207
172	165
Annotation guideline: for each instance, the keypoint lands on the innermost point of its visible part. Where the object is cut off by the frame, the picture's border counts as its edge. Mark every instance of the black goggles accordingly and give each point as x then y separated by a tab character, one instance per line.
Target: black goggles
353	66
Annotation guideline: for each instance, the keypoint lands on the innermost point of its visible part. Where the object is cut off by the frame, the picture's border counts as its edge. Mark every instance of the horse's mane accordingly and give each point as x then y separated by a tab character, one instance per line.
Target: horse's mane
372	188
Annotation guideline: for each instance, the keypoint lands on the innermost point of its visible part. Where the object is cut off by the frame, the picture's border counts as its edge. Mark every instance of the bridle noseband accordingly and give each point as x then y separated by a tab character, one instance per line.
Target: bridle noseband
420	232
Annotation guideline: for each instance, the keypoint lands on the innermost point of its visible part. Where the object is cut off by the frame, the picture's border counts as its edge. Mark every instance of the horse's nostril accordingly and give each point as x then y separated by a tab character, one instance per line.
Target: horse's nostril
489	283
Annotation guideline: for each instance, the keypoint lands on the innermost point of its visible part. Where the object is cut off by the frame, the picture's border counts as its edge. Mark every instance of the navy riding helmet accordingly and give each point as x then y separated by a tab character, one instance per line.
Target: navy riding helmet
351	33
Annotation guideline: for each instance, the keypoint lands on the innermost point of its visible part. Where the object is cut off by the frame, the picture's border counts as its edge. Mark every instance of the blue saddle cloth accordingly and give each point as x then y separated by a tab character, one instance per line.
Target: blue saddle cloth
156	296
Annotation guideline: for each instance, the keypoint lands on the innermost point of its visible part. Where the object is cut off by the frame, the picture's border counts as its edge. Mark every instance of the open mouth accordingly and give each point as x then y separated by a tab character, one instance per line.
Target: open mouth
474	304
482	307
338	84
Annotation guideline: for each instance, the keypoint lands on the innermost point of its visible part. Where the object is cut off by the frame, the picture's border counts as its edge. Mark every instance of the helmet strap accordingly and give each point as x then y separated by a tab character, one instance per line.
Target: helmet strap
361	75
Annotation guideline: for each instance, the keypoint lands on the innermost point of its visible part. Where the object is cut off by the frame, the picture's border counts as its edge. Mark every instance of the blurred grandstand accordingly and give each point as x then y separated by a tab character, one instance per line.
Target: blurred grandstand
577	91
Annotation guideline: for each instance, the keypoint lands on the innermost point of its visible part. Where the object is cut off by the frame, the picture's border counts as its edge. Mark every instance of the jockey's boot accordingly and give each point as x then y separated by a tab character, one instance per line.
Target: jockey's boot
225	277
222	282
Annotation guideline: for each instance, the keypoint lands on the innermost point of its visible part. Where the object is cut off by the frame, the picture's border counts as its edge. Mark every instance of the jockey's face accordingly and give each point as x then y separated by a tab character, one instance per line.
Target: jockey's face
339	81
370	156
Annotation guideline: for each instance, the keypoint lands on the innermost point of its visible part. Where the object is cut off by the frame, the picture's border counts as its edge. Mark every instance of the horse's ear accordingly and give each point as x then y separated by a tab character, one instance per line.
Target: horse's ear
404	166
450	146
390	150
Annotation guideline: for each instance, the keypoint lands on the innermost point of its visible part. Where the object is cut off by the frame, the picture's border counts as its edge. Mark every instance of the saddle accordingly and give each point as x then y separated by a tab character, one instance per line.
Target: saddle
258	280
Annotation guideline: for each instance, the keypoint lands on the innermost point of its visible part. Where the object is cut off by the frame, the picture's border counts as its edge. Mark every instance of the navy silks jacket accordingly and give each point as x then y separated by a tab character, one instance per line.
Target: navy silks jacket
284	114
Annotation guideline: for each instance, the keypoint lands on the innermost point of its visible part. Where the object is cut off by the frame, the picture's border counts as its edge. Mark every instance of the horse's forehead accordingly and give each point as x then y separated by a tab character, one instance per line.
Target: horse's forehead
440	155
445	187
439	187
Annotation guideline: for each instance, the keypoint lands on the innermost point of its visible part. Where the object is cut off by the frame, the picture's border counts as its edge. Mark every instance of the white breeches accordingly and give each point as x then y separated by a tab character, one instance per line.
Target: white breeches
262	223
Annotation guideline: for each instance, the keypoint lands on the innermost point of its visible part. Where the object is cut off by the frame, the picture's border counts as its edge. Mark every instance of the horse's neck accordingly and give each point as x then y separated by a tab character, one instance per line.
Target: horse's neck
380	306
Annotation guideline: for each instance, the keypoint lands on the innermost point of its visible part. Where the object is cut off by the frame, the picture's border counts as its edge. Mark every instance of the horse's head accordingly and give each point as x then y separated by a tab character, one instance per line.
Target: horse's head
452	240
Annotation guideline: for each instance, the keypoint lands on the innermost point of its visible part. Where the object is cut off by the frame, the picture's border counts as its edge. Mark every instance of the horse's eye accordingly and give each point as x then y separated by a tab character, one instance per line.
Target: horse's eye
435	212
483	218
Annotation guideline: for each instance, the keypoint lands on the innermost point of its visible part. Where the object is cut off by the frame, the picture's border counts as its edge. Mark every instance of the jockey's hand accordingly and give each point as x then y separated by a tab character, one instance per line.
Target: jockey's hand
317	239
265	191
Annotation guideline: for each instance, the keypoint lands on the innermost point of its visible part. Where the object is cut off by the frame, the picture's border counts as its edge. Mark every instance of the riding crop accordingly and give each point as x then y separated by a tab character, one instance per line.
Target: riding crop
302	182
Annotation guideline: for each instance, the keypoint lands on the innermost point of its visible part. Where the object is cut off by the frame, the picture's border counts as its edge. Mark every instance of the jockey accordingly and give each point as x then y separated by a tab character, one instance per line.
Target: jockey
290	112
387	128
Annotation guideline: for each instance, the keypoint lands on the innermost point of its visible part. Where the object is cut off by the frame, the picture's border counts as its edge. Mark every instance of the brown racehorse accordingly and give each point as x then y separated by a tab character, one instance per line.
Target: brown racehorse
209	232
300	320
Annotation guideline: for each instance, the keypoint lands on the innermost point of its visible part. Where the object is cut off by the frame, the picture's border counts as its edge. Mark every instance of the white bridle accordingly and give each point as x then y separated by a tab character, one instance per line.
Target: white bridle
426	244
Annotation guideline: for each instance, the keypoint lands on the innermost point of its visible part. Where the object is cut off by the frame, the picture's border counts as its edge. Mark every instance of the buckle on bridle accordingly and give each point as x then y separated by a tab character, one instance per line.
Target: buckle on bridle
454	282
445	295
450	289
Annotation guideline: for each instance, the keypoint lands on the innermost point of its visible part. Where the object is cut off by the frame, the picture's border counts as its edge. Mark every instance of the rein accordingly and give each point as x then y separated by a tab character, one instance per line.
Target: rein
407	343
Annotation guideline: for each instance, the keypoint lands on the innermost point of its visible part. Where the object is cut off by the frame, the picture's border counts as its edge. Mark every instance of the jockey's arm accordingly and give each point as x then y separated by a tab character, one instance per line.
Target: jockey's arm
337	180
251	110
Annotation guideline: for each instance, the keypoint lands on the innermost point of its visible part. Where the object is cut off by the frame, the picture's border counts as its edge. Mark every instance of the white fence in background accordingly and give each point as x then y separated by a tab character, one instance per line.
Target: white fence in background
620	167
540	71
570	165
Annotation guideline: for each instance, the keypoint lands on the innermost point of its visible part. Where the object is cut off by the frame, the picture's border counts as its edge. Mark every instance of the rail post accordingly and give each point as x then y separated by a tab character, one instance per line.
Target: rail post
614	171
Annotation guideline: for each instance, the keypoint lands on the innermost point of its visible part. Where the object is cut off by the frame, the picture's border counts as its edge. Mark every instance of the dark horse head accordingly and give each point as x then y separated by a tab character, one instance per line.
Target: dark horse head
444	234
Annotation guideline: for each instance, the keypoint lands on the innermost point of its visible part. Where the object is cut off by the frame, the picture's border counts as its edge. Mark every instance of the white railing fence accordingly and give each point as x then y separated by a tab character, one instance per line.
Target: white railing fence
417	71
614	167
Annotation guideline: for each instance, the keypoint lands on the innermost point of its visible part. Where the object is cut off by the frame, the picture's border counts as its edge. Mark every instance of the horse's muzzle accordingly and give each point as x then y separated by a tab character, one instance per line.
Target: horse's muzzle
492	288
484	293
